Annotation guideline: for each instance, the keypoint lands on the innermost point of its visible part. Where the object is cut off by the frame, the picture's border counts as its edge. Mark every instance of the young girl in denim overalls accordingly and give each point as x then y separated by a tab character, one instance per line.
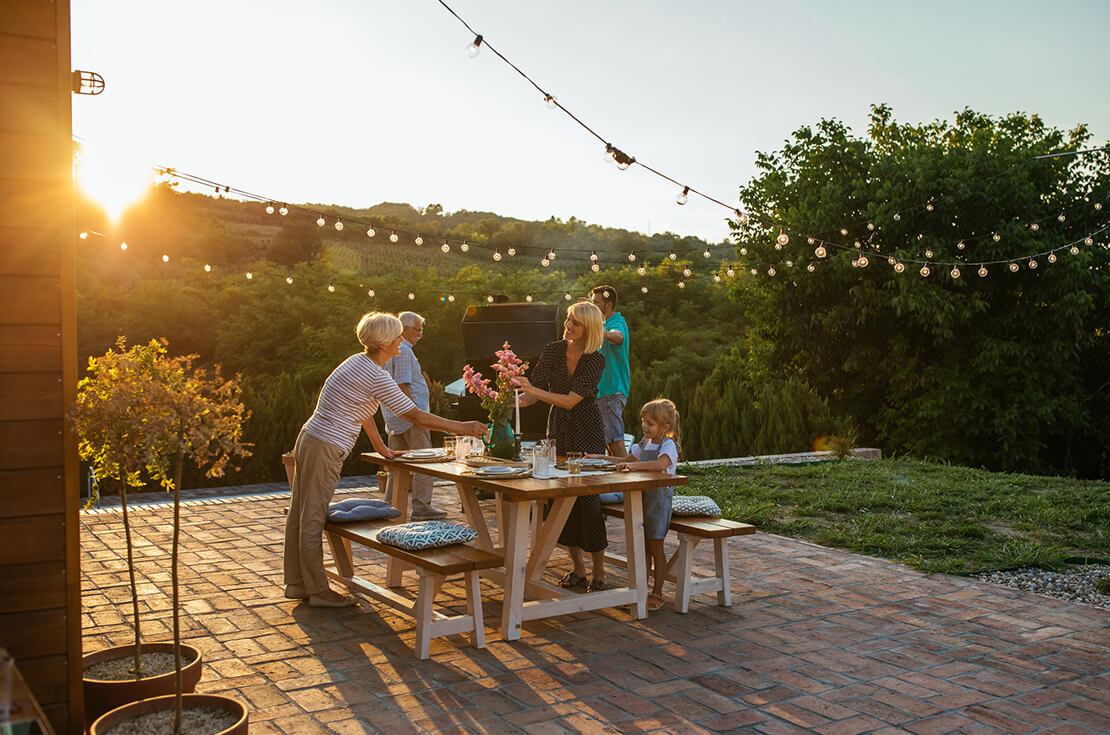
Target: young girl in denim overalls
656	452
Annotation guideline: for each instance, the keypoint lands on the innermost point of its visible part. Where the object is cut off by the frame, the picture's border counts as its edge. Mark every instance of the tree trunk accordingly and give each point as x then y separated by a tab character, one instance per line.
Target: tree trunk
137	669
177	472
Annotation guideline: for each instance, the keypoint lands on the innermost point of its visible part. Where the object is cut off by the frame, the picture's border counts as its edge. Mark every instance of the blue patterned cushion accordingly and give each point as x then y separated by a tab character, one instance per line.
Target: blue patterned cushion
695	505
361	509
426	535
611	498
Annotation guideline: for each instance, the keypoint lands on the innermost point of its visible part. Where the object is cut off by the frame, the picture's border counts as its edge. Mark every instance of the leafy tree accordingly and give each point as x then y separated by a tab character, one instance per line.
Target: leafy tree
298	240
1007	371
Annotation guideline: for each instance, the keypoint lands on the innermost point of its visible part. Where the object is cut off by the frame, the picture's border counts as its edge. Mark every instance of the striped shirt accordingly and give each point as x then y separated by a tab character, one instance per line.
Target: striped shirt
350	398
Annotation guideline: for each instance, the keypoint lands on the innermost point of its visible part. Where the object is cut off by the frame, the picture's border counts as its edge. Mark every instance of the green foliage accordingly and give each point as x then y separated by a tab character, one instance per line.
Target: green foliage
1007	371
931	516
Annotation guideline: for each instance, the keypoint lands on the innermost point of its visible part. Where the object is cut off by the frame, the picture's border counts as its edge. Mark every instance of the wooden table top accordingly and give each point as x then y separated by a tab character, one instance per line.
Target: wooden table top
532	488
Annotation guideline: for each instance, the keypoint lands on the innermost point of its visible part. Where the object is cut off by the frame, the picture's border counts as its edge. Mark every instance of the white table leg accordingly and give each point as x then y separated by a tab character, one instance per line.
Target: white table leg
637	557
516	545
402	482
720	553
468	497
544	540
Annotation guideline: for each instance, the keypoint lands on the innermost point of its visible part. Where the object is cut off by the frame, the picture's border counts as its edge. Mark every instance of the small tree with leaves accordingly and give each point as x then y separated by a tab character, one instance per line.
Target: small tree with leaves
194	417
114	434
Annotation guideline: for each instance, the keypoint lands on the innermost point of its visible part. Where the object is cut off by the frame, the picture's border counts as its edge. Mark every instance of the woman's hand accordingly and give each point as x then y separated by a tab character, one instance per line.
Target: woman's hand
473	428
523	384
387	452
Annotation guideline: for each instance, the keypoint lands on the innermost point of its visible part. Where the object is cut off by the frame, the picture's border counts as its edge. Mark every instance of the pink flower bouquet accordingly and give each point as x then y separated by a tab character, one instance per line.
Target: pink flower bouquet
496	399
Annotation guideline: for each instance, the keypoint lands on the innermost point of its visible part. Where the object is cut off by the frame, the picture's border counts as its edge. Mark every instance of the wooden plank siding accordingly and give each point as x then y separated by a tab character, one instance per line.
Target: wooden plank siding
40	620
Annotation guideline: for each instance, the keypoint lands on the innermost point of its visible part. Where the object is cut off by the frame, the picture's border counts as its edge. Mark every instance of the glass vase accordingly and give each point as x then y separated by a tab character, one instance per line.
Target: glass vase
502	442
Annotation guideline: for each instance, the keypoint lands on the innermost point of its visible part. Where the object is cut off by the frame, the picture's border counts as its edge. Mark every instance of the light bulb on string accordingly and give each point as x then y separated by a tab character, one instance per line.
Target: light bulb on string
165	259
790	264
855	262
899	267
929	207
1014	267
289	280
771	271
609	156
982	271
84	236
497	255
412	296
595	267
1074	250
465	247
929	253
249	275
551	255
474	47
1034	227
705	253
624	164
269	209
339	225
683	196
123	246
1062	217
716	278
961	245
811	267
820	252
528	298
549	101
643	289
641	271
782	239
283	210
1098	206
996	237
843	232
393	236
743	251
870	226
370	232
810	241
925	271
730	273
545	262
686	272
320	221
1089	241
857	245
897	217
489	299
1052	257
593	256
207	268
741	217
1032	264
566	296
755	272
682	284
451	297
419	240
632	257
331	288
511	252
891	260
673	255
955	272
863	261
445	247
371	293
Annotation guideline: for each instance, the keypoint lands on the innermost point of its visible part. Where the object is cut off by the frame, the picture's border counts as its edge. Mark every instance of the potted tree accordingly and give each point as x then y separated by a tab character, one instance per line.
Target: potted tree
187	416
111	419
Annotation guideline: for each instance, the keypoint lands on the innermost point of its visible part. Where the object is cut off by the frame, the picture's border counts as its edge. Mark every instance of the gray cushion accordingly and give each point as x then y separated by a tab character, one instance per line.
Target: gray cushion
695	505
361	509
611	498
426	535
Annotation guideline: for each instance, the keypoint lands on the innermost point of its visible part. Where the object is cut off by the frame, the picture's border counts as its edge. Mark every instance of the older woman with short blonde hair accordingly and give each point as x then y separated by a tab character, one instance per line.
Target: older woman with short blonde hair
566	377
348	401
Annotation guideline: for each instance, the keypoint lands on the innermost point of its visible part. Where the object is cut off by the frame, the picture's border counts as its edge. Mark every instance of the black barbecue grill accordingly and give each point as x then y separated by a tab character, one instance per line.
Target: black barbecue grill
528	328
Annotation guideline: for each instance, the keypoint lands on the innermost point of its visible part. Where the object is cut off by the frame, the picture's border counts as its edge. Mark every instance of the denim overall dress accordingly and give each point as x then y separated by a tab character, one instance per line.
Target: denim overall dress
657	502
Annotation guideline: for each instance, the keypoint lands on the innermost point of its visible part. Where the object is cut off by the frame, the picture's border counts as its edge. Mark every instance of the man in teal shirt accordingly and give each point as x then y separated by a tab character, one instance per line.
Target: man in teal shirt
612	391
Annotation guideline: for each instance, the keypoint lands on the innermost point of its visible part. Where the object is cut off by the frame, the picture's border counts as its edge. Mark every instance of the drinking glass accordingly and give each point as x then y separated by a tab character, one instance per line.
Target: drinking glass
449	444
574	462
7	673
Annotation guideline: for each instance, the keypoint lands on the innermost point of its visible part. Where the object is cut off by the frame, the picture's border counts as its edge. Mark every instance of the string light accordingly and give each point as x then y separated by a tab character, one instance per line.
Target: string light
474	47
320	222
371	293
593	256
643	289
960	245
249	275
489	299
269	209
955	272
1052	257
741	217
1074	250
283	210
551	254
782	239
497	255
338	225
716	278
705	253
419	240
1032	264
925	271
743	251
528	298
370	232
289	280
165	259
595	267
1089	241
641	271
393	236
512	252
996	237
123	246
771	271
682	284
451	298
545	262
899	267
843	232
929	207
566	296
207	268
632	257
445	247
1062	217
686	272
412	296
870	227
683	197
549	101
84	236
1034	227
820	252
331	288
1014	267
982	271
673	255
730	273
811	267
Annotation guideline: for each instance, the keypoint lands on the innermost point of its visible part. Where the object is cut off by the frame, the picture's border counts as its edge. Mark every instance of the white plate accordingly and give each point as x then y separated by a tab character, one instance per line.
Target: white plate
594	462
425	453
497	469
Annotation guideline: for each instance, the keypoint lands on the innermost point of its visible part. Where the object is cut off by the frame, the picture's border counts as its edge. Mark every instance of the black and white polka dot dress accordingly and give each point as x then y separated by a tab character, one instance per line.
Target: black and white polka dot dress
576	430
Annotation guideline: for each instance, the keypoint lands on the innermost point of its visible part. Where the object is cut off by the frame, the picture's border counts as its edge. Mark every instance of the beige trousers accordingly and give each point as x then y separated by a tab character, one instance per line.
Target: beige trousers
314	481
420	494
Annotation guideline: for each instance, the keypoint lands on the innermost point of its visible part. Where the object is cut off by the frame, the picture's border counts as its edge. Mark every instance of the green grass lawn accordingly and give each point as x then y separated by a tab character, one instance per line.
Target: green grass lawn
935	517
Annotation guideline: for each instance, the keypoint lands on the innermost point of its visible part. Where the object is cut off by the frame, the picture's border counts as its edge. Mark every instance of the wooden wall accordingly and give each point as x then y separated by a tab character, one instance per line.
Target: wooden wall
39	532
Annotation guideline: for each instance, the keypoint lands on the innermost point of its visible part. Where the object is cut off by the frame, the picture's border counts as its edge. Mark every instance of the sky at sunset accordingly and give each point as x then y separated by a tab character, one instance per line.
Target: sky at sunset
355	102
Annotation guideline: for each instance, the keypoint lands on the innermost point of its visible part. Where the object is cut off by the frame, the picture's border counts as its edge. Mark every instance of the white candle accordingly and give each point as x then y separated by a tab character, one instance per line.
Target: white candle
516	399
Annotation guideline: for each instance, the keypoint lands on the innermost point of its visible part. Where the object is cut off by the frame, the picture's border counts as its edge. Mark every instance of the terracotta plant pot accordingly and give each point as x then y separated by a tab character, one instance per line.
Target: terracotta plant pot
145	706
102	695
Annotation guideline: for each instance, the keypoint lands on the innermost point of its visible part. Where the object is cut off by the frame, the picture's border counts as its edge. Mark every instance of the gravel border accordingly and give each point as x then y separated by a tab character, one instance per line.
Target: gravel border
1074	584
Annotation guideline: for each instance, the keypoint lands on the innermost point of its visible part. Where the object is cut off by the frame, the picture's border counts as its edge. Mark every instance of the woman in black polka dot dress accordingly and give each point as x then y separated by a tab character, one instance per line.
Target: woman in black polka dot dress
566	376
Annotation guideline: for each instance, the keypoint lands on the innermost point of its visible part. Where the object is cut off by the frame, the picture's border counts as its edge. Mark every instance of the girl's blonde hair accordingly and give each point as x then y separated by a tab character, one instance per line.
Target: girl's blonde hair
377	329
663	411
589	316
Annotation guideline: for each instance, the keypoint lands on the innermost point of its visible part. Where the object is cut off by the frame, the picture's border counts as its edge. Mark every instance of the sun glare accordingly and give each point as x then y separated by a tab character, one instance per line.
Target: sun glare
112	177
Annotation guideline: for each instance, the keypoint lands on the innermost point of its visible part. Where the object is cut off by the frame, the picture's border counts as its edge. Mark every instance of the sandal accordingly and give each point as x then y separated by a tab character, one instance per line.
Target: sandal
654	602
596	585
572	579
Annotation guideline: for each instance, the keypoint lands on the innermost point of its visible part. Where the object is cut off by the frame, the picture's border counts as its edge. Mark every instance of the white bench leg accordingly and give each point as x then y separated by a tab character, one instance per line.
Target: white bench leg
720	553
425	597
683	579
474	609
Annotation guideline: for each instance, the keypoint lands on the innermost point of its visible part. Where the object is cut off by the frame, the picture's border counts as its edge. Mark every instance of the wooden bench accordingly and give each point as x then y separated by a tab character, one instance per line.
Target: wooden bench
691	531
432	565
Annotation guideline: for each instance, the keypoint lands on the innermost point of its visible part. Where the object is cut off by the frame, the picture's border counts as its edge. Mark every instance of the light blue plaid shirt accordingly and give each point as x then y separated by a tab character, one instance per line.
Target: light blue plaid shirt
405	368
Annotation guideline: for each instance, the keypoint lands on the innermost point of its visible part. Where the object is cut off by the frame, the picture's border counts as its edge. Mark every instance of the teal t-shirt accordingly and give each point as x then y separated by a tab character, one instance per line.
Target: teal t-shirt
617	377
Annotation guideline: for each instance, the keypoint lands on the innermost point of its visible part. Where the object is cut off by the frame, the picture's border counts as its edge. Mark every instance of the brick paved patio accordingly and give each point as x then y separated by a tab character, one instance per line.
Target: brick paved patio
817	640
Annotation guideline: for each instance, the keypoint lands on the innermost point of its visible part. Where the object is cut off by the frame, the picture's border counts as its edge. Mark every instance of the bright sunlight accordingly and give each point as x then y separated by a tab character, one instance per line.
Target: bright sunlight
112	177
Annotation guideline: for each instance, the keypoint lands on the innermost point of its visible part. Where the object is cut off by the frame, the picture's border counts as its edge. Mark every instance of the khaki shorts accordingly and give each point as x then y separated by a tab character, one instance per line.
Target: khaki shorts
612	416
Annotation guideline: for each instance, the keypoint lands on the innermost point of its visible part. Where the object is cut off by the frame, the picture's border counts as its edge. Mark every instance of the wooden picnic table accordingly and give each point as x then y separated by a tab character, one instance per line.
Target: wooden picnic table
526	540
